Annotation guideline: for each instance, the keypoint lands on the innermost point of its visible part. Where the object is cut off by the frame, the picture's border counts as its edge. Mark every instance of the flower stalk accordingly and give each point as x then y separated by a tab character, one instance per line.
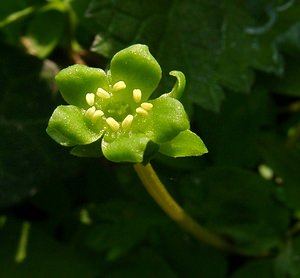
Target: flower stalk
162	197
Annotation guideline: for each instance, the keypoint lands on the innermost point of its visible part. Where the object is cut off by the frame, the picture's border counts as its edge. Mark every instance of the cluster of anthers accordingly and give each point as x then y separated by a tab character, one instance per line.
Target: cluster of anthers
95	114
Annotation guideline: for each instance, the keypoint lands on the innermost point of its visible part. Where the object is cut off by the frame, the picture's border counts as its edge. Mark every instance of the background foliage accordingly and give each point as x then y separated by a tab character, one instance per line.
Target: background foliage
92	218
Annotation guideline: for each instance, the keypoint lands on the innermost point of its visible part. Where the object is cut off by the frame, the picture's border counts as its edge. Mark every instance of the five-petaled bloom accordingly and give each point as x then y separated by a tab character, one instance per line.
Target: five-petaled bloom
111	113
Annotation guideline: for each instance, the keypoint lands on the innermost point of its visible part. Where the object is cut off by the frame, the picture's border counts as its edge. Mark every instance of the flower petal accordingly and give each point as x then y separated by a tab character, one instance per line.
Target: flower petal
186	143
68	126
126	148
137	68
76	81
166	120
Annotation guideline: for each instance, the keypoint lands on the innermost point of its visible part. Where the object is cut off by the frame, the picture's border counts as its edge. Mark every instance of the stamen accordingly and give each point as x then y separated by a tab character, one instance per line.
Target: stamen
90	112
113	123
127	121
147	106
141	111
90	99
102	93
97	115
137	95
120	85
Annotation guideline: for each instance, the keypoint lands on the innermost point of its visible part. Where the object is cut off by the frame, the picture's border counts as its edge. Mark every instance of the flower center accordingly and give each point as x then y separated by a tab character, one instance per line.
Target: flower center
117	110
116	113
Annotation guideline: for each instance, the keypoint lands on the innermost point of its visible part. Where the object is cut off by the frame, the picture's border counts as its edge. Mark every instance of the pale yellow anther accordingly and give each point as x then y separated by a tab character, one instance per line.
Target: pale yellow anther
97	115
120	85
137	95
90	99
102	93
141	111
147	106
114	125
127	121
90	112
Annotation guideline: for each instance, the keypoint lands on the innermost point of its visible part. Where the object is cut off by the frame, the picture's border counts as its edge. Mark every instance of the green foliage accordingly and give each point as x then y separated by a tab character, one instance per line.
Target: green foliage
240	59
48	257
247	213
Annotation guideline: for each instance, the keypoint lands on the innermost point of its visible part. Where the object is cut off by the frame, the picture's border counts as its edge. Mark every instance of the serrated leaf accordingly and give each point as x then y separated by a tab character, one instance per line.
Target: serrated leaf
201	80
245	46
217	44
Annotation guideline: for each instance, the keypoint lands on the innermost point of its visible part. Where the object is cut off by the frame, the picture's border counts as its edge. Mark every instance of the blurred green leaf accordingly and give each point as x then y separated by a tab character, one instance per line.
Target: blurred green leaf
231	136
120	225
10	7
13	15
289	41
289	83
285	164
239	205
189	258
11	18
45	256
255	269
41	42
27	156
246	44
144	263
287	263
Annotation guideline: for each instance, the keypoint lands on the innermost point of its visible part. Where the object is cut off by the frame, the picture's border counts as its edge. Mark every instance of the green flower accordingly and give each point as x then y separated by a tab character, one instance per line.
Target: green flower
111	114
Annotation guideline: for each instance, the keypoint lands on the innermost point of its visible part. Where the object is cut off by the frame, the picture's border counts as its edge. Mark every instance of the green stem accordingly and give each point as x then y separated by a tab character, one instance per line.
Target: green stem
21	251
16	16
162	197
